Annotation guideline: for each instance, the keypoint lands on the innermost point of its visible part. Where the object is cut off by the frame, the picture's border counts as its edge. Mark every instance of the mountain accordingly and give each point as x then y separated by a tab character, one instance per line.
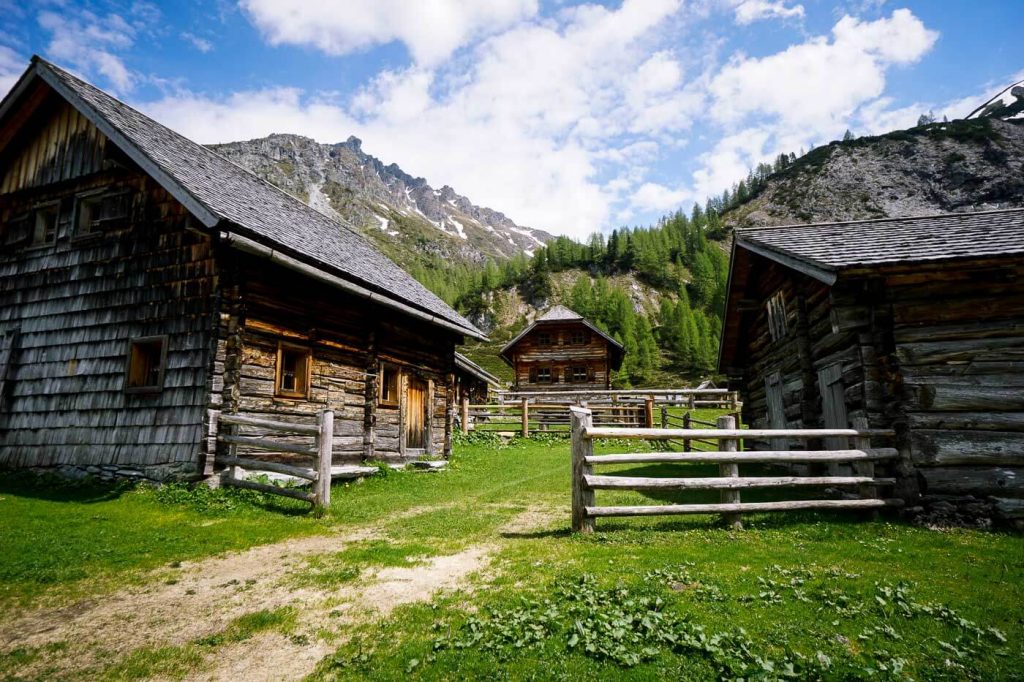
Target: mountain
408	218
963	165
1008	104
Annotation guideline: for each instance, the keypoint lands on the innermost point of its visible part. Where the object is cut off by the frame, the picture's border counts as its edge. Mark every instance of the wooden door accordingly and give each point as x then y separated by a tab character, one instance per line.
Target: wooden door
776	408
833	404
415	414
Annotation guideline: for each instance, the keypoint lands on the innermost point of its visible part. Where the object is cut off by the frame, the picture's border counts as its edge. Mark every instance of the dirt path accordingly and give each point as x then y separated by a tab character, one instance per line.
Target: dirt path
207	595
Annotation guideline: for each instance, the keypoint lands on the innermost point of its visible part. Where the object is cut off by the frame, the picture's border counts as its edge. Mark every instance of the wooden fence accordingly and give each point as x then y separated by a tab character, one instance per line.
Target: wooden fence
548	411
730	481
318	451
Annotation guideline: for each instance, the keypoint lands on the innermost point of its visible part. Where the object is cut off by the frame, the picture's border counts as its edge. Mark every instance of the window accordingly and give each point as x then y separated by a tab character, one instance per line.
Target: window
579	374
543	375
95	212
147	359
17	230
544	339
388	392
777	316
579	338
293	371
44	229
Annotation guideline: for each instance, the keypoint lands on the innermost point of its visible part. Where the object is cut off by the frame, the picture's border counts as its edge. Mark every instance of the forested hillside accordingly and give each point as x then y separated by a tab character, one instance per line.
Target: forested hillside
659	291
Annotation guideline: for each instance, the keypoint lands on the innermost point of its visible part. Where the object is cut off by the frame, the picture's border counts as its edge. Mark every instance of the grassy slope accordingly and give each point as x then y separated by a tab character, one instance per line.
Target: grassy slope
79	540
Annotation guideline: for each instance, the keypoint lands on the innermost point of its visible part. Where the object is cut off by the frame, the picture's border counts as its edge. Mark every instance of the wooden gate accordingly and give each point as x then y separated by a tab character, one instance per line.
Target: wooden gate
415	416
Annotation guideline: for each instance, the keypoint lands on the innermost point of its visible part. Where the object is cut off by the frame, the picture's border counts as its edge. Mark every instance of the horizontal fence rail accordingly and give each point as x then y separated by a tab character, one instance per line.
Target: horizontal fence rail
548	411
729	482
318	452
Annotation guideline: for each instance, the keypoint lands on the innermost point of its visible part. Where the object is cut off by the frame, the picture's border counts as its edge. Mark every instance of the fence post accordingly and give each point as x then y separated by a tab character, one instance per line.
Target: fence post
649	412
729	471
687	444
664	416
324	454
526	418
582	497
465	414
864	467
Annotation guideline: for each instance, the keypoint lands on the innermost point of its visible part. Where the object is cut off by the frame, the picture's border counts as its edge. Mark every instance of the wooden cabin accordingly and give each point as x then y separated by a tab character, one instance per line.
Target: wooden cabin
561	351
914	323
147	284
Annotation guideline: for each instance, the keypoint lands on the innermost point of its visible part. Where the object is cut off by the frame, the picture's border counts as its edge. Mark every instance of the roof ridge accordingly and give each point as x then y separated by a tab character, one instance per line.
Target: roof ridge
866	221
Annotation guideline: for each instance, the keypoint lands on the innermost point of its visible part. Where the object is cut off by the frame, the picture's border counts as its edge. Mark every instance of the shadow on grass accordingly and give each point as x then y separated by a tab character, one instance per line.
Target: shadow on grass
537	534
54	488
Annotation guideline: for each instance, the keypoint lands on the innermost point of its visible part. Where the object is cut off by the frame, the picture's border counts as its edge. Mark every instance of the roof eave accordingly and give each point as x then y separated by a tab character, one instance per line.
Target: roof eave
818	271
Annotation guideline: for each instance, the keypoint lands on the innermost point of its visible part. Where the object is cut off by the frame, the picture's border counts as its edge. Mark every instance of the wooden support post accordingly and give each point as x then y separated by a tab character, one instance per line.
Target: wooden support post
465	414
325	450
864	467
729	470
232	470
691	402
526	418
687	445
649	412
582	497
664	416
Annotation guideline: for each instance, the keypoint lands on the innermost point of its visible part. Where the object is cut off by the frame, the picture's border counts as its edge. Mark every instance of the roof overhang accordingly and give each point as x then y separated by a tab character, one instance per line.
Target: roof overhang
466	365
818	271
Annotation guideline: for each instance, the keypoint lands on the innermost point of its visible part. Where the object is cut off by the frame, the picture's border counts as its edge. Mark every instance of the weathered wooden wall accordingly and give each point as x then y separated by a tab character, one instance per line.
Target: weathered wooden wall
560	355
78	302
349	338
959	347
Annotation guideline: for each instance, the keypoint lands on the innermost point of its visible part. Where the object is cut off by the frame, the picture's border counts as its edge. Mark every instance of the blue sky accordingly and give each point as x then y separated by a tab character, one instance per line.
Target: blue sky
566	116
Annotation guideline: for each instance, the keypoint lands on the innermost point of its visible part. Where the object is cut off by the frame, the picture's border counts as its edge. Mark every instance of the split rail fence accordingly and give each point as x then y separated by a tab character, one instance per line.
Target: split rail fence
548	411
318	452
730	480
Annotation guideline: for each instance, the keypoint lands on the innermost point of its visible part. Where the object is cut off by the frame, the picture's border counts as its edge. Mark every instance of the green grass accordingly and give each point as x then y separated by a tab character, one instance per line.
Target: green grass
835	596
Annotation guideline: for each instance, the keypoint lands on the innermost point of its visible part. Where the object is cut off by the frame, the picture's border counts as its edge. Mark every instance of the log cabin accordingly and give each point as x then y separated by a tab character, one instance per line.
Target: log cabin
473	383
147	284
561	351
915	323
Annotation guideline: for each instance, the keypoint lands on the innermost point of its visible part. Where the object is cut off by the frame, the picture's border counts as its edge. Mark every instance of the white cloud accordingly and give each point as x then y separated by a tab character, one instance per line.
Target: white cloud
652	196
201	44
11	67
430	29
749	11
88	42
809	94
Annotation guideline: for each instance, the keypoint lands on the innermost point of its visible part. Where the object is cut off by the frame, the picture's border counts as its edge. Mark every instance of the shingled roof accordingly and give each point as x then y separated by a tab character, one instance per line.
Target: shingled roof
823	250
229	198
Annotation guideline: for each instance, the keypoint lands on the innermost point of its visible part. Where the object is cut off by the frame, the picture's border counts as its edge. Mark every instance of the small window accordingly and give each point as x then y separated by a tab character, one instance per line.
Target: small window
17	230
96	212
293	371
579	374
777	316
44	229
543	375
579	338
389	385
147	360
544	339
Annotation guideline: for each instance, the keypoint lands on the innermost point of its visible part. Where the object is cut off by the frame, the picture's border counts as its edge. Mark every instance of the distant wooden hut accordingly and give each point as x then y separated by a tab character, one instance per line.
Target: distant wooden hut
146	284
913	323
561	351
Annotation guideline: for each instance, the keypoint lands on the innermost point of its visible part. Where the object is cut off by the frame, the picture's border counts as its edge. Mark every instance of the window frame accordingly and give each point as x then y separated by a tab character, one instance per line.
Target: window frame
76	220
584	370
545	338
31	243
384	368
579	337
778	325
135	342
549	375
307	371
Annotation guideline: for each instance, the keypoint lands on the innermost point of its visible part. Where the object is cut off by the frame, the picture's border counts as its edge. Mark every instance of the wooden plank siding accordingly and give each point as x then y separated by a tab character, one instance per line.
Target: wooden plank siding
79	301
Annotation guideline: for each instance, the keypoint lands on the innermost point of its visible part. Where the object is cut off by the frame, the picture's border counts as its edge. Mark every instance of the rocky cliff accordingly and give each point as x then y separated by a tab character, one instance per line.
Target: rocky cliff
402	213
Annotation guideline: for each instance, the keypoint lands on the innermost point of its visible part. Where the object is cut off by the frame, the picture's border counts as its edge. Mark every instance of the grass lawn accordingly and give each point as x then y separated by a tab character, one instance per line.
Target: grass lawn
806	595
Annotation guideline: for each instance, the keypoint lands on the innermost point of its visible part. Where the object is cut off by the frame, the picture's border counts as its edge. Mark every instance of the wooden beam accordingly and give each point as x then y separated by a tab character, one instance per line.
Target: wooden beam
596	482
276	467
294	493
310	429
743	507
714	434
582	496
754	456
268	444
729	471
